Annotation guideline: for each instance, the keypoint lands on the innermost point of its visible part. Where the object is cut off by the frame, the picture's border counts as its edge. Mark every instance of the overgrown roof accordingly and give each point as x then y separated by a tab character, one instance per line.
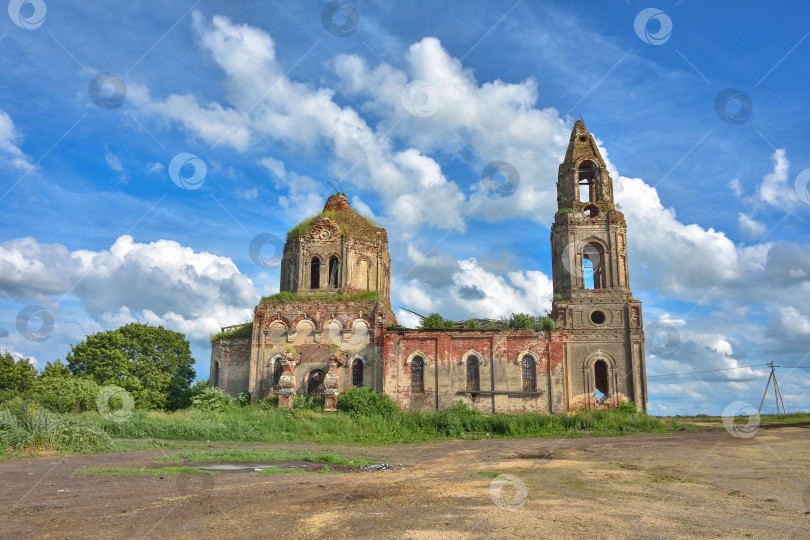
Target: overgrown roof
337	210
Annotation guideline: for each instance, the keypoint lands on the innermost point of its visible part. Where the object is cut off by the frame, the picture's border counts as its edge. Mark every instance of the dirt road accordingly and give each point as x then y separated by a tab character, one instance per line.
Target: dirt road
681	484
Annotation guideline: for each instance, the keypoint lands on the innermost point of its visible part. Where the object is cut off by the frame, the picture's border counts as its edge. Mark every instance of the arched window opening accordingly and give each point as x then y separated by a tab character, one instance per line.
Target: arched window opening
278	371
315	273
529	374
333	273
600	376
357	373
315	385
586	176
593	266
417	375
473	377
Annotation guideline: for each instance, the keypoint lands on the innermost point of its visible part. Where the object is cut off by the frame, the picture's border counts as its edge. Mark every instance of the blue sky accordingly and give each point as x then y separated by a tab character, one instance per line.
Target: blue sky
407	104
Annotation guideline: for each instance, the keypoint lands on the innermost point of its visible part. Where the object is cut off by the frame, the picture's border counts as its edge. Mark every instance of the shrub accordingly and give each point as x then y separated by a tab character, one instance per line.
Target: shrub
27	425
268	403
473	324
244	398
435	321
65	393
308	403
363	401
211	399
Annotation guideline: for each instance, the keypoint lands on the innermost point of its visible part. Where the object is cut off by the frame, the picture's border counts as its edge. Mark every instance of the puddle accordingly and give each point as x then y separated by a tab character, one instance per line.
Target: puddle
244	467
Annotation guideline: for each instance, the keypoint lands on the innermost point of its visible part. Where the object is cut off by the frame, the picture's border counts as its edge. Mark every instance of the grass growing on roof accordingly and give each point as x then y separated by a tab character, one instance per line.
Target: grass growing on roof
287	297
246	330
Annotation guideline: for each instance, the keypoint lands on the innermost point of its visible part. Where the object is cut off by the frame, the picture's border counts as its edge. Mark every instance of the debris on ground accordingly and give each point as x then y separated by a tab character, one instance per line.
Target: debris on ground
382	467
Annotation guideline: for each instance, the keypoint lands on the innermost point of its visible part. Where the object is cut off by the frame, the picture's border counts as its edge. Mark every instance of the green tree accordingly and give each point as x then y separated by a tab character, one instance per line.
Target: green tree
152	363
16	376
65	393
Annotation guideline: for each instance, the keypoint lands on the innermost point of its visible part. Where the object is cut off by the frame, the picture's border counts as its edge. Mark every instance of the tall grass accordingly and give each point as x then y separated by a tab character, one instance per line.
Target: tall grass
258	424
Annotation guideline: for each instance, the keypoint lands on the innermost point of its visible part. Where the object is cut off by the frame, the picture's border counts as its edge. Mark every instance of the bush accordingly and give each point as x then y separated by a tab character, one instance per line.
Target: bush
363	401
308	403
65	393
29	426
434	321
211	399
244	398
268	403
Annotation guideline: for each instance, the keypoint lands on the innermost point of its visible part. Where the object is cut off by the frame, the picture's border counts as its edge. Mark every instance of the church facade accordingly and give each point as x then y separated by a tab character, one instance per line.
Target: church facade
331	327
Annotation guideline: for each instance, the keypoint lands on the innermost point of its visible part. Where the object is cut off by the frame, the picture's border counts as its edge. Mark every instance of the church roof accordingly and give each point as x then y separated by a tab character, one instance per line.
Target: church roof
581	145
338	210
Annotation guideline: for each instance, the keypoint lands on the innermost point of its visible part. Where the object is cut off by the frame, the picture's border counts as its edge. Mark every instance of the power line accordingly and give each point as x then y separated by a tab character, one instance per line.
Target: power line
706	371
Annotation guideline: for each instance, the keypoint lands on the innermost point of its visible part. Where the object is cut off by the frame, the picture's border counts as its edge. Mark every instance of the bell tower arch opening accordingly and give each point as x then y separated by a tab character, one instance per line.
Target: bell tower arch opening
586	179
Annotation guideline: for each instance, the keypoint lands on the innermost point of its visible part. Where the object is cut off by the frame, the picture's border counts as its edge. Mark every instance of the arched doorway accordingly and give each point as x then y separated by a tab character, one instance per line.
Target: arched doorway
473	375
278	371
600	377
315	273
315	385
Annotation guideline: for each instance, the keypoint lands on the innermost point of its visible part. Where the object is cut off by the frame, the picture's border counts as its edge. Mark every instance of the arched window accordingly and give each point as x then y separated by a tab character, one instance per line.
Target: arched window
418	375
600	377
315	273
278	371
593	266
529	374
333	273
586	176
357	373
315	385
473	377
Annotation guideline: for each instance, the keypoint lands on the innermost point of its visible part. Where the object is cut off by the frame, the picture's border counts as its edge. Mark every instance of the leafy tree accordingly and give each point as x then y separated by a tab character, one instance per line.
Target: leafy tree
16	376
55	369
212	399
435	321
152	363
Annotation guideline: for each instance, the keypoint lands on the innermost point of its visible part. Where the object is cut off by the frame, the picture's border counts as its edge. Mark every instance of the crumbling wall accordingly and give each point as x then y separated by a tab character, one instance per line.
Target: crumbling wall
230	364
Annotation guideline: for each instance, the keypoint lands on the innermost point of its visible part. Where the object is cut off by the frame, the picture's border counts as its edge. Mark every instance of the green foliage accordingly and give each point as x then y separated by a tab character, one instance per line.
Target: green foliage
123	471
27	426
212	399
246	330
435	321
473	324
565	210
282	425
16	376
308	403
244	398
287	297
363	401
66	393
267	403
152	363
523	321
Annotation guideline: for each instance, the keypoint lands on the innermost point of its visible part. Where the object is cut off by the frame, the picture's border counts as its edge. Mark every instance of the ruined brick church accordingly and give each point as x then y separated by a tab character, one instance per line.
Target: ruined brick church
332	327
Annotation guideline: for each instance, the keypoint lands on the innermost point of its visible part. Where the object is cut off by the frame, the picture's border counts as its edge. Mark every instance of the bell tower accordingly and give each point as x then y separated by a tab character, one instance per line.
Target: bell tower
592	298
